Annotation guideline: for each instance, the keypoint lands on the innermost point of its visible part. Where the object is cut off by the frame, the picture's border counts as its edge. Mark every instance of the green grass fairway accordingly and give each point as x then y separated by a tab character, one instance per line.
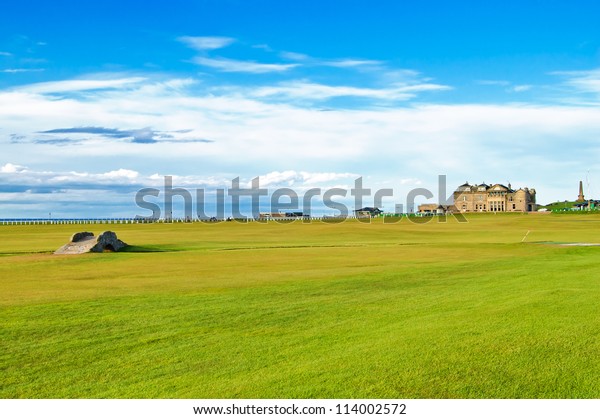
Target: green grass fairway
350	310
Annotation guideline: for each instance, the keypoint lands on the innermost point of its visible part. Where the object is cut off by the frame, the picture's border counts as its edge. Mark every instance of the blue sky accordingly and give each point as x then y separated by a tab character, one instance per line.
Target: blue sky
99	99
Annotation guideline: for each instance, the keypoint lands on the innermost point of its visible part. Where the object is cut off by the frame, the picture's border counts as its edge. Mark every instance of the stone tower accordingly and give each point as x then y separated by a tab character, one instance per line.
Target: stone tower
580	198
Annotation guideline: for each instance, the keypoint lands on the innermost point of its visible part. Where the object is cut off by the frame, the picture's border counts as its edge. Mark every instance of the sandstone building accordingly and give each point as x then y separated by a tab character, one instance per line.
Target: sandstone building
493	198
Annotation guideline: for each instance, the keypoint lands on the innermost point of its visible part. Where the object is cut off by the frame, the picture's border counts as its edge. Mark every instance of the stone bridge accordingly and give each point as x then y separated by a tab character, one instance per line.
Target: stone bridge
85	242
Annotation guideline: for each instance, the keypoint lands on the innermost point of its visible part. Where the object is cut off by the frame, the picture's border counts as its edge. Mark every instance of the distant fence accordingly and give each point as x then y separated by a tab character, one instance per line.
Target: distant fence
40	221
33	221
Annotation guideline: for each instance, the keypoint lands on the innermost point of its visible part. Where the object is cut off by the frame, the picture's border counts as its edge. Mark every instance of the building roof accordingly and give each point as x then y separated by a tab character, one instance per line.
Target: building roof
499	186
464	187
368	209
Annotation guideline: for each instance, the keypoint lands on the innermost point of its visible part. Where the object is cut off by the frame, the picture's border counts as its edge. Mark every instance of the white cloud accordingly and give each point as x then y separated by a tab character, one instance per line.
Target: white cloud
5	54
20	175
121	173
341	63
284	140
21	70
402	75
322	177
522	88
352	63
510	87
12	168
264	47
582	81
237	66
307	90
301	178
114	177
204	43
80	85
294	56
493	82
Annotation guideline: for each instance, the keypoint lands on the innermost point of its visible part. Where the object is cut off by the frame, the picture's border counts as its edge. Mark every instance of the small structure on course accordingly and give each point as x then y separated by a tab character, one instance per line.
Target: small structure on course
86	242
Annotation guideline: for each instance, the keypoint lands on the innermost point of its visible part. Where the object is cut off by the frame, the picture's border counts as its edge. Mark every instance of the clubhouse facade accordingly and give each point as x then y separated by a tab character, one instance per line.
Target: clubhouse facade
486	198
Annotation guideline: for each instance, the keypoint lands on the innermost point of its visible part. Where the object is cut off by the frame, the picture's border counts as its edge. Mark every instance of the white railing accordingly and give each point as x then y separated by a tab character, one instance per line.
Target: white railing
36	221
